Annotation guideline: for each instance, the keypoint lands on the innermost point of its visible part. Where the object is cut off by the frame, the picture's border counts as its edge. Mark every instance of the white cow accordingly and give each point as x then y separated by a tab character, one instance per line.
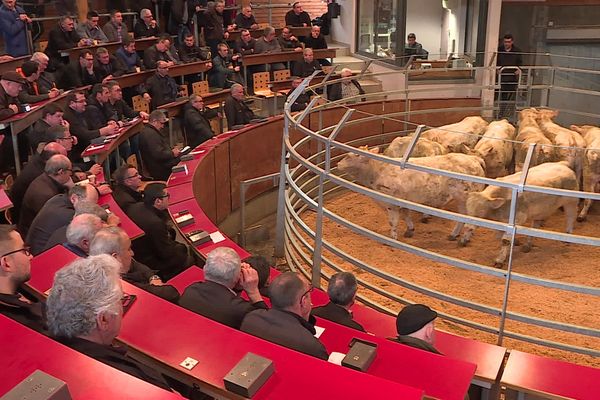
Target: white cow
591	164
496	148
423	148
494	202
415	186
530	132
458	136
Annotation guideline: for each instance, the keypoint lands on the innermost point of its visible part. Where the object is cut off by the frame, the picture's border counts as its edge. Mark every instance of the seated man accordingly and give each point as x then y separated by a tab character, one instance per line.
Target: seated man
345	89
85	313
317	41
157	154
46	80
236	111
342	294
307	66
224	73
115	29
302	100
78	73
114	241
31	92
415	325
126	190
288	323
215	297
106	66
146	25
245	44
297	17
268	43
196	120
90	30
245	19
161	88
52	115
129	57
263	269
57	174
413	47
62	37
11	84
190	52
57	212
287	41
158	52
15	270
33	169
95	110
158	248
116	107
81	232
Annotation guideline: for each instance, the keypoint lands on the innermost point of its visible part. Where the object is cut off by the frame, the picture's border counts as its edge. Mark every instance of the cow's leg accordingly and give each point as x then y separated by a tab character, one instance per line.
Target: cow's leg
529	244
462	208
570	214
499	261
466	236
425	218
393	218
410	227
589	185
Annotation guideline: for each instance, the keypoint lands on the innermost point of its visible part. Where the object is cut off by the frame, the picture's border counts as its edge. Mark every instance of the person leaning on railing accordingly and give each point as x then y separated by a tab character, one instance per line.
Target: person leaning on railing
13	21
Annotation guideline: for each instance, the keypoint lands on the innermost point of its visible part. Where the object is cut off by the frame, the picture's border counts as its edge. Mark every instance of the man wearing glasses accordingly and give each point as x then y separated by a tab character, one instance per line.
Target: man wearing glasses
157	154
54	180
161	88
126	190
289	322
15	269
158	248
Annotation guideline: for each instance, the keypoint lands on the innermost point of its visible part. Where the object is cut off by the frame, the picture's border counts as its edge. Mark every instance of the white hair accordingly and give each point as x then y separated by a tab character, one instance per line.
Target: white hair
144	11
81	291
223	266
108	241
39	56
83	226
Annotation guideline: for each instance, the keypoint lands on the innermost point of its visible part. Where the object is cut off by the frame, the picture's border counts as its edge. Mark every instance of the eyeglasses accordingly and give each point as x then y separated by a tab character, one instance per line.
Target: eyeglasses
165	196
69	138
25	250
134	176
310	289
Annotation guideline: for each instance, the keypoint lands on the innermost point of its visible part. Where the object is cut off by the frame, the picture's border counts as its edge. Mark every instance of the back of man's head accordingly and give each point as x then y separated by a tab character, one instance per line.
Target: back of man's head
342	289
223	266
82	230
285	290
52	148
414	320
262	266
57	163
6	239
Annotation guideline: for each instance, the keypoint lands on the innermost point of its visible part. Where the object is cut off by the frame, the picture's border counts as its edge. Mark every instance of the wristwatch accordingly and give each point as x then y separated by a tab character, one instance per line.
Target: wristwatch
154	277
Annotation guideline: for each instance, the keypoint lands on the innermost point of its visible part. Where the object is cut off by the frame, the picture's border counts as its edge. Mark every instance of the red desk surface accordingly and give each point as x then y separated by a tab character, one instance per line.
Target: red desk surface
179	178
186	278
551	378
218	348
180	193
133	231
4	201
202	222
45	265
86	378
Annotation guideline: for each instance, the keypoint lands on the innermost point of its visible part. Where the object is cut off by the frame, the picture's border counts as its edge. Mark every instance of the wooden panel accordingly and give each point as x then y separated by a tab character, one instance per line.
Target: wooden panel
255	153
205	186
222	181
315	8
391	107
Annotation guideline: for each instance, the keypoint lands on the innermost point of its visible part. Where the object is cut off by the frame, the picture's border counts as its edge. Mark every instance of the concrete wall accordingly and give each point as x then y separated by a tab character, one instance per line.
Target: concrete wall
424	18
343	28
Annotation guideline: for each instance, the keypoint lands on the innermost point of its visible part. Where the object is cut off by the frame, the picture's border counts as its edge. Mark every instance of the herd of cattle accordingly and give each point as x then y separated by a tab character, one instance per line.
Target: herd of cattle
562	158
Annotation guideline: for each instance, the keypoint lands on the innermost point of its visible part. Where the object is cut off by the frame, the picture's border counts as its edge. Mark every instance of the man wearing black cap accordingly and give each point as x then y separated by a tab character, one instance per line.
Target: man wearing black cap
415	324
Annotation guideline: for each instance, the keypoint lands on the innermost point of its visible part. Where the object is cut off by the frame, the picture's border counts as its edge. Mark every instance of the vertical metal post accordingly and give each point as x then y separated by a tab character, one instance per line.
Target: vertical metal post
15	143
243	214
196	38
280	223
552	77
317	256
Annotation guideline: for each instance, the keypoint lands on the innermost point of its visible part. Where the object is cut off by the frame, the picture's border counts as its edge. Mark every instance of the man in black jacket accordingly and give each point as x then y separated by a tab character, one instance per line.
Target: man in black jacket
317	41
31	92
126	190
302	100
146	25
62	37
196	120
15	270
78	73
158	248
215	297
245	19
415	325
289	322
296	16
116	107
157	155
287	41
106	66
342	294
161	88
11	84
236	111
95	110
190	52
115	242
158	52
307	66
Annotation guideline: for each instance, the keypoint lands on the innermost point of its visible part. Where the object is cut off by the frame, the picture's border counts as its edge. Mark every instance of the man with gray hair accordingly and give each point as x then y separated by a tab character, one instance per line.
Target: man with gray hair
342	294
268	43
236	111
215	298
81	232
115	242
146	25
85	313
46	79
289	322
54	180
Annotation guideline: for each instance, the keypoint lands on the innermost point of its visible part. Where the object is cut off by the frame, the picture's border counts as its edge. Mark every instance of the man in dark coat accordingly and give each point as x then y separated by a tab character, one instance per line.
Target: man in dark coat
161	88
126	190
196	120
15	270
146	25
415	325
115	242
14	20
287	41
56	213
62	37
289	322
11	84
31	92
57	174
190	52
245	19
157	52
316	41
236	111
52	115
158	248
342	294
509	55
157	155
307	66
106	66
116	107
224	71
95	110
302	100
215	297
78	73
296	16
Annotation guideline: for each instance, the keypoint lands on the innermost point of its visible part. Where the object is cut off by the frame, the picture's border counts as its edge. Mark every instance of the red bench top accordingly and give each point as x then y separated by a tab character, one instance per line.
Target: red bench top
534	374
132	230
45	265
86	378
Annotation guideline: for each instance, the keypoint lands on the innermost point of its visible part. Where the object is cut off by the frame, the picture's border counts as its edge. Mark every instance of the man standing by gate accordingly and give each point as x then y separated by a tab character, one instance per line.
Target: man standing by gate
509	57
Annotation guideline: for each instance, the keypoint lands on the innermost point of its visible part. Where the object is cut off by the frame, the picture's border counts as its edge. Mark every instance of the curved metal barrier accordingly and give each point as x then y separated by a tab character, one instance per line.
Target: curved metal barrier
309	177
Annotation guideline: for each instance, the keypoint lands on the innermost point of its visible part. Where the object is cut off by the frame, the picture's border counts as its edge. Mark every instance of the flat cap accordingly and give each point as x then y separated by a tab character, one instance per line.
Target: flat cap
413	317
13	77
